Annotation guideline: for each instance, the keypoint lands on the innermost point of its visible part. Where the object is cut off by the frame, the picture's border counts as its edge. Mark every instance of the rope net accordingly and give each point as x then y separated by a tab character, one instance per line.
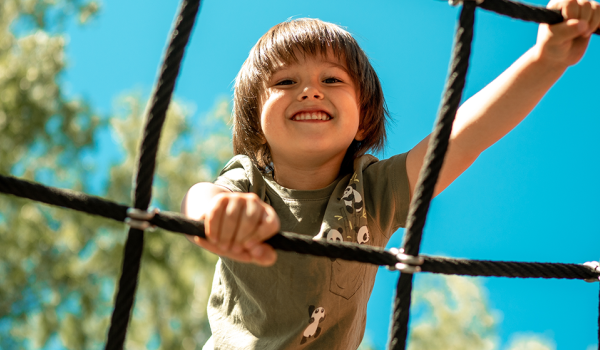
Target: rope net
292	242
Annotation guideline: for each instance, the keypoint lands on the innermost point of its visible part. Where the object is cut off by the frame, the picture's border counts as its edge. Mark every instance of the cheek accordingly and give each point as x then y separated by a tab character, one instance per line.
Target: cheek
271	110
352	105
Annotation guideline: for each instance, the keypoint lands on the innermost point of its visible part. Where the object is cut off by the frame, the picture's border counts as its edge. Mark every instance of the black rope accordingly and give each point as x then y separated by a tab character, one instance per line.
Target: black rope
436	150
63	198
524	12
293	242
145	174
465	267
302	243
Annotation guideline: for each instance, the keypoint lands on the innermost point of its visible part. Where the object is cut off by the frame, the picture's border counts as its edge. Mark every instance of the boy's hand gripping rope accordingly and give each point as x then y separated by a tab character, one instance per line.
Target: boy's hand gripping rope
406	260
439	142
292	242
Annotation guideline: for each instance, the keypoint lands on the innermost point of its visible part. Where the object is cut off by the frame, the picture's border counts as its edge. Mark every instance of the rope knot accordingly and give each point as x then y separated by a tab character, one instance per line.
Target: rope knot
595	266
140	219
458	2
406	263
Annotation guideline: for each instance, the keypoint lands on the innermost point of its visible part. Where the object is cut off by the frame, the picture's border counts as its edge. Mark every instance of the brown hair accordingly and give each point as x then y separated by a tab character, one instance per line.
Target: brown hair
279	46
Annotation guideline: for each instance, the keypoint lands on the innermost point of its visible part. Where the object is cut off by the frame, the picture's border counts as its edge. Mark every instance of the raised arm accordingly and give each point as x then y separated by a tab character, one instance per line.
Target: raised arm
499	107
236	224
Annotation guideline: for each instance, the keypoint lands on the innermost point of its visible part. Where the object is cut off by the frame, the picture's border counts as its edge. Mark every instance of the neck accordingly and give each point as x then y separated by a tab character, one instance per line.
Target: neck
299	176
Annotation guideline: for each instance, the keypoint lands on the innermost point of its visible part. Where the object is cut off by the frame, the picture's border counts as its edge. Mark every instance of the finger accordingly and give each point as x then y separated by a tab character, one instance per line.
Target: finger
570	10
205	244
230	221
255	235
267	228
595	20
585	10
244	256
249	221
569	29
214	219
263	255
555	4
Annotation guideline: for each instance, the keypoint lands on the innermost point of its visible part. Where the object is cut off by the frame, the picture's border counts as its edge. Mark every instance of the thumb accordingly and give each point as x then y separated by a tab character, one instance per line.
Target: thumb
570	29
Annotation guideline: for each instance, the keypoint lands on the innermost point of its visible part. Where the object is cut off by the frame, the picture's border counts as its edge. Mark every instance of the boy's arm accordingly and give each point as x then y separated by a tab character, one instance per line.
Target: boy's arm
235	223
499	107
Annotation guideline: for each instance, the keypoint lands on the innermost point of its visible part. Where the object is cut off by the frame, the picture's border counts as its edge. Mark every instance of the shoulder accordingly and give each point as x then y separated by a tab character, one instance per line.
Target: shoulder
371	165
387	190
241	175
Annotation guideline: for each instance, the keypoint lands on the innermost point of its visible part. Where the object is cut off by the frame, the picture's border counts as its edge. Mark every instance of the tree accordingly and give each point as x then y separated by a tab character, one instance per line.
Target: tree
452	312
59	267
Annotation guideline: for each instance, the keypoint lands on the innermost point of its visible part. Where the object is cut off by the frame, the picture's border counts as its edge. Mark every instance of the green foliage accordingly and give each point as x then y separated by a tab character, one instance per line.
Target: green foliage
452	312
456	315
59	267
30	66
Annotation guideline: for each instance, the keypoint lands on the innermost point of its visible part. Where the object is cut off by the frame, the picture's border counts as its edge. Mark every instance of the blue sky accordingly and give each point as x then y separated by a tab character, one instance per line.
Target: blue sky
530	197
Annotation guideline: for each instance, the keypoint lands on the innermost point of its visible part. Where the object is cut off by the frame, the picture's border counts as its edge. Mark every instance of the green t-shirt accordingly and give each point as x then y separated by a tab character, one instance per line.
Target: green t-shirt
302	301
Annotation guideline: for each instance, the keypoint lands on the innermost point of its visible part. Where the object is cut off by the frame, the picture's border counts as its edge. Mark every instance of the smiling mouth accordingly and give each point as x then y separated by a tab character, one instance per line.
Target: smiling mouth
311	116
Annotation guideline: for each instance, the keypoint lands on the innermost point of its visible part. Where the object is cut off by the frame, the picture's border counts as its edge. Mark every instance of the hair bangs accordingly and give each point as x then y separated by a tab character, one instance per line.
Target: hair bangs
309	37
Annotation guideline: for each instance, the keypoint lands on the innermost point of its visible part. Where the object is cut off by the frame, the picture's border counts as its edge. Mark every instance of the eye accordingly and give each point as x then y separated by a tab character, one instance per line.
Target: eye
332	80
285	82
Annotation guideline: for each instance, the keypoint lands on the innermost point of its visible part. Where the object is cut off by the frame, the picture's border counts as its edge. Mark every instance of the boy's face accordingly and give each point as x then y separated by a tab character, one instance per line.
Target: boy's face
310	111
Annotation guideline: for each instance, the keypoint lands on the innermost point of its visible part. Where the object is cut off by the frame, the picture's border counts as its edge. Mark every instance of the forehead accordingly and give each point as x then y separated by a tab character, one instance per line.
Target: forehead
327	59
289	43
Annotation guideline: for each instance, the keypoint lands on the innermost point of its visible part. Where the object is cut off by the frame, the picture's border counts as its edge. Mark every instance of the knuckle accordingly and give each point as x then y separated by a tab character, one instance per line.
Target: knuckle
251	196
234	205
220	201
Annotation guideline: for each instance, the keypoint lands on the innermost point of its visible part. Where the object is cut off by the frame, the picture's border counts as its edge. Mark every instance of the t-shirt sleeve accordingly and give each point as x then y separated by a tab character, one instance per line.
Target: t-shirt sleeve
388	193
233	176
240	175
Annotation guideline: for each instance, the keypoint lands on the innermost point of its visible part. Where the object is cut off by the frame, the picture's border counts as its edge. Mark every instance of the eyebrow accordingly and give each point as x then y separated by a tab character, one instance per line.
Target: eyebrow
337	65
330	63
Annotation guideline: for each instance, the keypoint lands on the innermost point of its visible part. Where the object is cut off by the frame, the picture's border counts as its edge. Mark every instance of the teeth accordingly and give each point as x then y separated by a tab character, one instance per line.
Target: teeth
311	116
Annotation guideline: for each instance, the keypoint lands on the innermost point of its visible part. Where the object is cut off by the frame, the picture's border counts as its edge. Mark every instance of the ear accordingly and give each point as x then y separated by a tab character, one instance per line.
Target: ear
360	135
263	140
311	309
341	230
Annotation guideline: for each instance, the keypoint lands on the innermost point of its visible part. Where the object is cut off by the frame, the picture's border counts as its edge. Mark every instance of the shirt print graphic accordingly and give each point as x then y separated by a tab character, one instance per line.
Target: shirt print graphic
345	220
316	316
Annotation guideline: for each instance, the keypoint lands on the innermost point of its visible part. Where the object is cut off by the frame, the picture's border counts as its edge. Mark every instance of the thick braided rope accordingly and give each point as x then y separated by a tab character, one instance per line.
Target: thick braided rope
146	163
293	242
524	12
465	267
289	241
438	144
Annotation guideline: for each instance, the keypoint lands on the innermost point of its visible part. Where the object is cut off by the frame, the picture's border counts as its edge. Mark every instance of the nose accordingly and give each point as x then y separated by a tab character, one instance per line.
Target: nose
310	93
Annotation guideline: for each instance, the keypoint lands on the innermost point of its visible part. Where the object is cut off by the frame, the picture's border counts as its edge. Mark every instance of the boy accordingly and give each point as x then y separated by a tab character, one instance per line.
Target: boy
307	106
